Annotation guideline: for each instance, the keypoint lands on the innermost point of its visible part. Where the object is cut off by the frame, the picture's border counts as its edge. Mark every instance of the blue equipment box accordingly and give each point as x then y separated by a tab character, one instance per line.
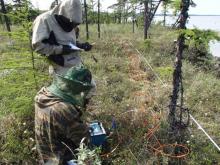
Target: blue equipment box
97	134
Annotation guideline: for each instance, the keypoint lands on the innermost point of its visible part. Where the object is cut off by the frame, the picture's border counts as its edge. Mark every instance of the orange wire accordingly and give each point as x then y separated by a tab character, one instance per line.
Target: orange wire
159	150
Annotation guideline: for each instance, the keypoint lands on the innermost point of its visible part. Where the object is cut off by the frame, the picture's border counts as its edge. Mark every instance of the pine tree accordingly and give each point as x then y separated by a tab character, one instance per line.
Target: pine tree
6	19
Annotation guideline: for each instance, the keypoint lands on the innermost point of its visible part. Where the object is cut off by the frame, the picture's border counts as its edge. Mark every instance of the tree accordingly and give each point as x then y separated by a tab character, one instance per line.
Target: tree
4	12
92	14
119	10
198	52
176	7
21	10
165	9
86	19
99	19
150	8
146	19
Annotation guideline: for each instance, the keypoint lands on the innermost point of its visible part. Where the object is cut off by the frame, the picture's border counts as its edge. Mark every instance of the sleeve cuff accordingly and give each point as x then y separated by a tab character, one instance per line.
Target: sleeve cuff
59	49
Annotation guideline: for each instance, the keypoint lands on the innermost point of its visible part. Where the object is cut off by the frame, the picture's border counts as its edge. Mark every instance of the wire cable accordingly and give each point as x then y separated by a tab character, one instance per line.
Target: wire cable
163	83
200	127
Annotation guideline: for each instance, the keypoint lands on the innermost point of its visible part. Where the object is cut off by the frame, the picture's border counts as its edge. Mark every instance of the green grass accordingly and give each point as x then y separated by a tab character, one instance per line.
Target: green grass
116	94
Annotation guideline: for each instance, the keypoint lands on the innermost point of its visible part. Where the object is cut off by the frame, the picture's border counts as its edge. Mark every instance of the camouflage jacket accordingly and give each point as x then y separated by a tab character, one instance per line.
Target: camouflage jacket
57	122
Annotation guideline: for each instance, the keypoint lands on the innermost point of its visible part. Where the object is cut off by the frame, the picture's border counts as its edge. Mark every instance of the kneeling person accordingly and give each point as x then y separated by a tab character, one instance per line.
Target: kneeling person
58	111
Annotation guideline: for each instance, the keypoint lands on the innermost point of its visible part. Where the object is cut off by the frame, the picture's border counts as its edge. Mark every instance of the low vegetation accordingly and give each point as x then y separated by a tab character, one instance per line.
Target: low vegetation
129	93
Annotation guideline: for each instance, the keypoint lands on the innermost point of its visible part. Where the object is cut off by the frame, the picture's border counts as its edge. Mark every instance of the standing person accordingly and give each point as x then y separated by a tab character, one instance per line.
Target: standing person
54	32
58	111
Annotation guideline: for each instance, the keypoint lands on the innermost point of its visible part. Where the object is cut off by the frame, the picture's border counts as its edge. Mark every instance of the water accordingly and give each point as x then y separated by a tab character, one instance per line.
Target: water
200	22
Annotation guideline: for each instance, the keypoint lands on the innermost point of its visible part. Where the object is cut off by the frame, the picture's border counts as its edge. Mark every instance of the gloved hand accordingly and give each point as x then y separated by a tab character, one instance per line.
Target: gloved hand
86	46
67	49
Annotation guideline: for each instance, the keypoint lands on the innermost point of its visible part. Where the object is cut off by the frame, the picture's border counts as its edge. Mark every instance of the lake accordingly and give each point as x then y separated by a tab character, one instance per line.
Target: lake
200	22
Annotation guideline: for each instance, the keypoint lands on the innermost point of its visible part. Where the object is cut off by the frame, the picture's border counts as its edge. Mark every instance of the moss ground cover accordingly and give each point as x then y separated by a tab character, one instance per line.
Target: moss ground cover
127	90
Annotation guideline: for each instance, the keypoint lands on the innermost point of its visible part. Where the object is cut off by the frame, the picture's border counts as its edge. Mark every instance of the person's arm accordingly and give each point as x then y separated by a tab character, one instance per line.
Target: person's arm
70	125
47	49
44	41
86	46
77	129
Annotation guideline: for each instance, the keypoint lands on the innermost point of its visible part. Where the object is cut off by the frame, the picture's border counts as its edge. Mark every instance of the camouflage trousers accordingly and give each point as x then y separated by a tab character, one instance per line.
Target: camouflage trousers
57	125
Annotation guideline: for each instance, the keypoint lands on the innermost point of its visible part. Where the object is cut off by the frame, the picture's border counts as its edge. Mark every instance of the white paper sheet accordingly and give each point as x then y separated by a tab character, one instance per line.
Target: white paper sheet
74	47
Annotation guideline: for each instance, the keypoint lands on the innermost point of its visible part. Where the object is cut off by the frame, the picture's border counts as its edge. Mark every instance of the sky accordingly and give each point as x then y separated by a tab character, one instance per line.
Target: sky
206	7
45	4
203	6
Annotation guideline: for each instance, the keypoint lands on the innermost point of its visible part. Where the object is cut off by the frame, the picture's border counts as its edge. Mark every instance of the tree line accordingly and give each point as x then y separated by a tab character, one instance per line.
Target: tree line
138	12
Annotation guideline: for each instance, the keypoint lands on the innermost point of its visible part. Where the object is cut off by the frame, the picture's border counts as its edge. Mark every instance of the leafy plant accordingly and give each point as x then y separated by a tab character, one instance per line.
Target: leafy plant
198	47
87	156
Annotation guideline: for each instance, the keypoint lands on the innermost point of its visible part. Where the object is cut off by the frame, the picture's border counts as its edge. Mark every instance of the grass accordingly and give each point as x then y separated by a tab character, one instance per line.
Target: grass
127	90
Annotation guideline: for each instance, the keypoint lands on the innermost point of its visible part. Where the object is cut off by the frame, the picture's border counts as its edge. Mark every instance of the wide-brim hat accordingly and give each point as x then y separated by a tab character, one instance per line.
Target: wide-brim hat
72	86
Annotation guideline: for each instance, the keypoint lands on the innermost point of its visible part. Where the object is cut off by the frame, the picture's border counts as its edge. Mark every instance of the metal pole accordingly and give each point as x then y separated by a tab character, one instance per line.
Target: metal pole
133	18
145	18
133	25
164	14
99	19
7	22
86	16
